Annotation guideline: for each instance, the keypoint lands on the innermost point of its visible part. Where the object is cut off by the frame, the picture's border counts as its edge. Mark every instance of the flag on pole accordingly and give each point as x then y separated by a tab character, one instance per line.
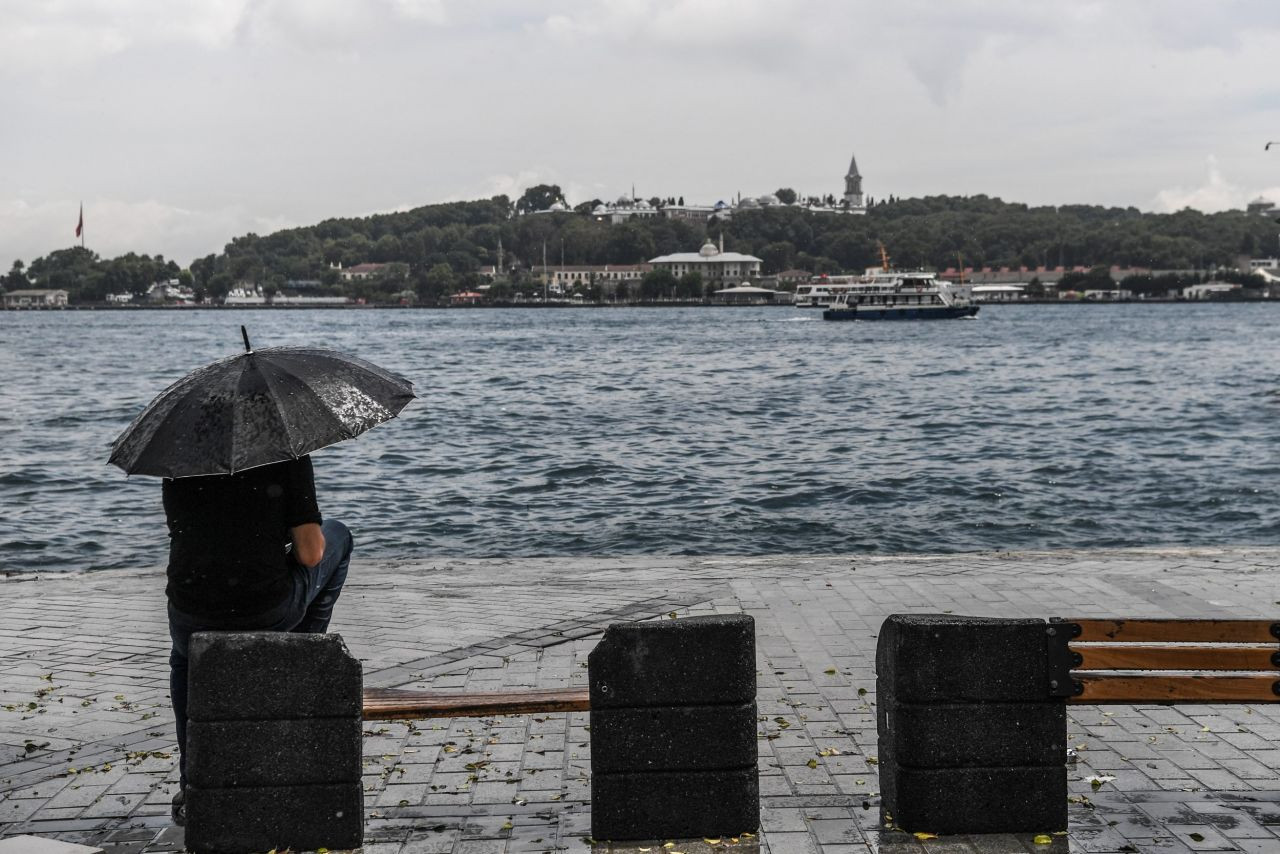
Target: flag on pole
80	224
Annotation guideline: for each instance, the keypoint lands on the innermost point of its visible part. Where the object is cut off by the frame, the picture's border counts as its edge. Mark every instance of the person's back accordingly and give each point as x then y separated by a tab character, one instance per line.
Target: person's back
229	534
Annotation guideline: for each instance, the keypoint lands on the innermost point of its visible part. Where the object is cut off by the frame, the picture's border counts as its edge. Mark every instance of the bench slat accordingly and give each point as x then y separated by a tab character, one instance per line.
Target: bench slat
1168	689
1129	656
384	704
1177	631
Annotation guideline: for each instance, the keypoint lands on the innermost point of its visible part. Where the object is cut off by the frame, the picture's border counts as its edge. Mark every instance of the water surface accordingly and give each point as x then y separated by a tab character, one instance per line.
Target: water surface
692	431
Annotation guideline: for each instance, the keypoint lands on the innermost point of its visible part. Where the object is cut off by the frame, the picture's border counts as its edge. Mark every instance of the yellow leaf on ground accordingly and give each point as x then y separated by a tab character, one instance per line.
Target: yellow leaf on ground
924	836
830	671
812	763
1043	839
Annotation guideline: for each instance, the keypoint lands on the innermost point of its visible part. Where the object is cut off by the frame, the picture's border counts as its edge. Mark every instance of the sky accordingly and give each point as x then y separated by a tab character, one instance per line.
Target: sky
180	125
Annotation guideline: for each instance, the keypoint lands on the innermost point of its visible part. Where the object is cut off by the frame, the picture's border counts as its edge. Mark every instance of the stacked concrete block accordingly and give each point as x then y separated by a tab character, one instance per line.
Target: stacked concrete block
971	738
273	743
673	729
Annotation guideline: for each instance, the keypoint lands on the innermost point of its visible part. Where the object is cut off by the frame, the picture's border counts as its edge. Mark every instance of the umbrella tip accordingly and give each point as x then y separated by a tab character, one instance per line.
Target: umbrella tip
244	333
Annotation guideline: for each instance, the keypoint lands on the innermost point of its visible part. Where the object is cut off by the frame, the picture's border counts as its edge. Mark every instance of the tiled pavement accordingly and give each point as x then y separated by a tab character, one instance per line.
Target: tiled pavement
86	742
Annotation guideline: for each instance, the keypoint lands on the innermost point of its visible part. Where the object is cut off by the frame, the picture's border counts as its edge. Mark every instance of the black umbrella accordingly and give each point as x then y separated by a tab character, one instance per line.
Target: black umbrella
256	408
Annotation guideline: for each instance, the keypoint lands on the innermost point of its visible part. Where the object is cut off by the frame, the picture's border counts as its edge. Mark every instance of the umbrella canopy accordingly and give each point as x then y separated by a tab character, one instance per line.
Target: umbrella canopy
256	408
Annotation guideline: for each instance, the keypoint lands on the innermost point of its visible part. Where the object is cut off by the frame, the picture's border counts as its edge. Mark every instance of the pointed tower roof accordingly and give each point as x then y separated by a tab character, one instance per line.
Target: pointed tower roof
853	167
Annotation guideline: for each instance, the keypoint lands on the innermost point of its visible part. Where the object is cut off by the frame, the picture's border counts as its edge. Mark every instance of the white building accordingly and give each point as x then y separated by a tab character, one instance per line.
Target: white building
35	298
712	262
566	276
624	209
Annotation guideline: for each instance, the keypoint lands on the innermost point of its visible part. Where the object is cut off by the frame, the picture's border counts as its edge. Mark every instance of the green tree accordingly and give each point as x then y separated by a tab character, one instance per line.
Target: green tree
657	284
786	195
539	198
17	278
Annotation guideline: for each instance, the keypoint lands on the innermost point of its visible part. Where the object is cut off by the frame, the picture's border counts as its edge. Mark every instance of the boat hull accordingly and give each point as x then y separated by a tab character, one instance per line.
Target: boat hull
940	312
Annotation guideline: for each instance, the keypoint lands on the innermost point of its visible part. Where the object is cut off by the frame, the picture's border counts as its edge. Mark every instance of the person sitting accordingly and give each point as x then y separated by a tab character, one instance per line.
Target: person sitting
247	551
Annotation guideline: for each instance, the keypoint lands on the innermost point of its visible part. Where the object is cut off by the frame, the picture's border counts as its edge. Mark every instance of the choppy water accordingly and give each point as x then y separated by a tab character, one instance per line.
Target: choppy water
686	431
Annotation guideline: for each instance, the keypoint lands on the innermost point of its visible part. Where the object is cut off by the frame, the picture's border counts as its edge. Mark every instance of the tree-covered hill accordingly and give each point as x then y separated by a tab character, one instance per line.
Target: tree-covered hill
440	247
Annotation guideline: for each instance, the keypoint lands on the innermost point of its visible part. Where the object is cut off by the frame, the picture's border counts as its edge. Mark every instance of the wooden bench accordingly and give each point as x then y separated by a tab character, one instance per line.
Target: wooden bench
384	704
1171	661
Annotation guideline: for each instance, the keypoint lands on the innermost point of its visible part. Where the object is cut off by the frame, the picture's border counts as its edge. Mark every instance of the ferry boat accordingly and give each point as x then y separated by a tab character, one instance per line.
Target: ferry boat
822	292
887	294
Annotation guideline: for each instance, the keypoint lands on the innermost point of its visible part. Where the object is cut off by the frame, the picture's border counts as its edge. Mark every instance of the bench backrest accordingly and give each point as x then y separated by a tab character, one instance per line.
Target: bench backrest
1170	661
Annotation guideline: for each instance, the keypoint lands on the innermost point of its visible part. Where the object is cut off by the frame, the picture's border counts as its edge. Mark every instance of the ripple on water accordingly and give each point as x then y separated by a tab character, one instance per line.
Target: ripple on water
693	431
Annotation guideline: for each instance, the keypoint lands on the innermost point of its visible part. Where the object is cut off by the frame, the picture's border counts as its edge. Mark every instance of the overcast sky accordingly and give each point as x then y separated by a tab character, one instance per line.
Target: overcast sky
183	124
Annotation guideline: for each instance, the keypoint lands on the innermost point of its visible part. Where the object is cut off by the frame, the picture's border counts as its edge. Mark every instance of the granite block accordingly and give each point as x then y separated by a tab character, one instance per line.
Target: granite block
674	805
239	820
271	676
690	662
942	658
973	734
975	800
673	738
274	753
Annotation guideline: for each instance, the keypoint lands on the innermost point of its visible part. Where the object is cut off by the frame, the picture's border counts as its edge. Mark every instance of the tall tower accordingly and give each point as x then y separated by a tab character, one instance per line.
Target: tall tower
853	188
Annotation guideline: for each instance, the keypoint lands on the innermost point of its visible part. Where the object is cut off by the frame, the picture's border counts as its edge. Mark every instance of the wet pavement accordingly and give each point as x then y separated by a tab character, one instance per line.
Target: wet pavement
87	746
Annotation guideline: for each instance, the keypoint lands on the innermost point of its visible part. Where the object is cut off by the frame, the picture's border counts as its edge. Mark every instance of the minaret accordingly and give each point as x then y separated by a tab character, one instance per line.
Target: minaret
853	188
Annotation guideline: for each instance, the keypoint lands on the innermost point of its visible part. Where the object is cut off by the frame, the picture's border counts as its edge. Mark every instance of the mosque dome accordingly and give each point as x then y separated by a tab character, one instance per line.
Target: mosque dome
748	202
766	201
558	205
708	249
624	202
600	209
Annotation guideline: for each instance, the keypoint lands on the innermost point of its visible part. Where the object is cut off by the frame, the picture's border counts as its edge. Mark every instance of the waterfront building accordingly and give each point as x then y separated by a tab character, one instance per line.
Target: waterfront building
563	278
35	298
712	262
361	271
749	295
245	293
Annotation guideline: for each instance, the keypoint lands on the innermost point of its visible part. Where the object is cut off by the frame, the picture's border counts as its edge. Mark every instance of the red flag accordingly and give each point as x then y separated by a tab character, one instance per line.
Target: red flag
80	224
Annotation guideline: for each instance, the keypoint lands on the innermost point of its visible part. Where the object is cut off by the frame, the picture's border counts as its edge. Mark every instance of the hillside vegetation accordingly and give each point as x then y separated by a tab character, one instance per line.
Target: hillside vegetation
441	246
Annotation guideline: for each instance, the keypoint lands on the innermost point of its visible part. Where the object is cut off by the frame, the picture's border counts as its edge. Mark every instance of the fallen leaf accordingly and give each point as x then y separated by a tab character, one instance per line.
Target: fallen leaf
830	671
1043	839
1196	837
812	763
924	836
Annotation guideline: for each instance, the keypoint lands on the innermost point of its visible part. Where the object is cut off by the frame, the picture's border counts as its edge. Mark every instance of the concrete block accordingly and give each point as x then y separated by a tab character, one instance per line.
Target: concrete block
274	753
690	804
942	658
673	738
975	800
691	662
271	676
973	734
302	818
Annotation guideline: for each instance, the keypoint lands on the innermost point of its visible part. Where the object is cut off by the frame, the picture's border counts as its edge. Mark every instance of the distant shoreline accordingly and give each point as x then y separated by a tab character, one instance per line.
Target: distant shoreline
539	306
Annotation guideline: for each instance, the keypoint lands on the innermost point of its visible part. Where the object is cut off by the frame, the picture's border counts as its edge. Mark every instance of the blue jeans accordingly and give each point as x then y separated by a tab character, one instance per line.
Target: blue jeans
314	593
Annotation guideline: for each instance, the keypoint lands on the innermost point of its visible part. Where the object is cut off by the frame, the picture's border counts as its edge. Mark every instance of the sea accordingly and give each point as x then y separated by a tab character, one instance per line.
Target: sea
691	431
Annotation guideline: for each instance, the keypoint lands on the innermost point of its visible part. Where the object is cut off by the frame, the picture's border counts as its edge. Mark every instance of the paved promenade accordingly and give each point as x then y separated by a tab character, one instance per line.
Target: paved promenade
86	739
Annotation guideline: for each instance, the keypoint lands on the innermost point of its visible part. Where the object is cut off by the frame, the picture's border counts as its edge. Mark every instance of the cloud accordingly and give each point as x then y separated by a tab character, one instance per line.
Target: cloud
1215	194
114	227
